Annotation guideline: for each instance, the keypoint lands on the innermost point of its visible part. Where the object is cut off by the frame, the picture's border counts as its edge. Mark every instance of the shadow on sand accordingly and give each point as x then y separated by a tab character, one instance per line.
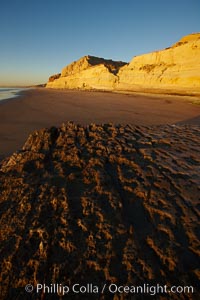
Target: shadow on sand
192	121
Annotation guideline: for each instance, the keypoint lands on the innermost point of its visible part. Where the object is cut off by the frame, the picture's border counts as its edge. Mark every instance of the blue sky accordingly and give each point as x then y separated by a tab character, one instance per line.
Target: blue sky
38	38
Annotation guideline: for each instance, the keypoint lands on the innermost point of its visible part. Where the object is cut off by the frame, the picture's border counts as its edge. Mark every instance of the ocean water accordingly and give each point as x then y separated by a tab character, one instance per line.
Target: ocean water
7	93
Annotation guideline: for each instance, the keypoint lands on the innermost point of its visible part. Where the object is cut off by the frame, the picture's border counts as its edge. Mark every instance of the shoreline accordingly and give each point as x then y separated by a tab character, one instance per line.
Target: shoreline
193	98
15	96
38	108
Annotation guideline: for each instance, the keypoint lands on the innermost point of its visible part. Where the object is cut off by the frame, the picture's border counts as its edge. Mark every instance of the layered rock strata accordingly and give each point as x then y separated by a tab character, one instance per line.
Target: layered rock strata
101	204
176	67
88	72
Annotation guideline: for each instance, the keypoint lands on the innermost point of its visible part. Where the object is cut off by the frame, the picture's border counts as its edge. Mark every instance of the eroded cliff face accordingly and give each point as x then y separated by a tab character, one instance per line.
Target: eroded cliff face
101	204
88	72
176	67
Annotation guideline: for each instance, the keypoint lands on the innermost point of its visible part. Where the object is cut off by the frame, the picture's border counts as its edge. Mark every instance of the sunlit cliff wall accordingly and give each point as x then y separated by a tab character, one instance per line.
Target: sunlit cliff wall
176	67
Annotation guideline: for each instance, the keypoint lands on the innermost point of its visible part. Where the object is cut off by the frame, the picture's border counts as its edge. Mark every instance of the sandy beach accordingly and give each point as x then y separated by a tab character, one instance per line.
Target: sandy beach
39	108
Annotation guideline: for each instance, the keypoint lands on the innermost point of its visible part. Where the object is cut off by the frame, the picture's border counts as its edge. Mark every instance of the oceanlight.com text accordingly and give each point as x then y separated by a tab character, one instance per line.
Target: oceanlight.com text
148	289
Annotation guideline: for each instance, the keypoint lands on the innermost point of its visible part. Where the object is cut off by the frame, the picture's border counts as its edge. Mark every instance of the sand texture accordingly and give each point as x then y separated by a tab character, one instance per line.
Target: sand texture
102	204
39	108
174	68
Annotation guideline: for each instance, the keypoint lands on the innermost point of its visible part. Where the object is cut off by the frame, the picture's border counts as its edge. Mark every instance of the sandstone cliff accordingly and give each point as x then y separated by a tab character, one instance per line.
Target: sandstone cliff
88	72
101	204
176	67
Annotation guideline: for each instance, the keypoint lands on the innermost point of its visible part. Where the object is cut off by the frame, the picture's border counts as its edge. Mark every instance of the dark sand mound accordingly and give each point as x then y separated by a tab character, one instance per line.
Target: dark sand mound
101	204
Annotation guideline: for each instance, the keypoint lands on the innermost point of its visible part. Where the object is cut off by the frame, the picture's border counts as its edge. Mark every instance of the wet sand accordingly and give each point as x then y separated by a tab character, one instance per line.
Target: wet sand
39	108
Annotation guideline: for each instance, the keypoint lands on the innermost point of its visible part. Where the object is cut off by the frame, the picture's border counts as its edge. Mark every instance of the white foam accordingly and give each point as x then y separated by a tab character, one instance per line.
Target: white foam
7	93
